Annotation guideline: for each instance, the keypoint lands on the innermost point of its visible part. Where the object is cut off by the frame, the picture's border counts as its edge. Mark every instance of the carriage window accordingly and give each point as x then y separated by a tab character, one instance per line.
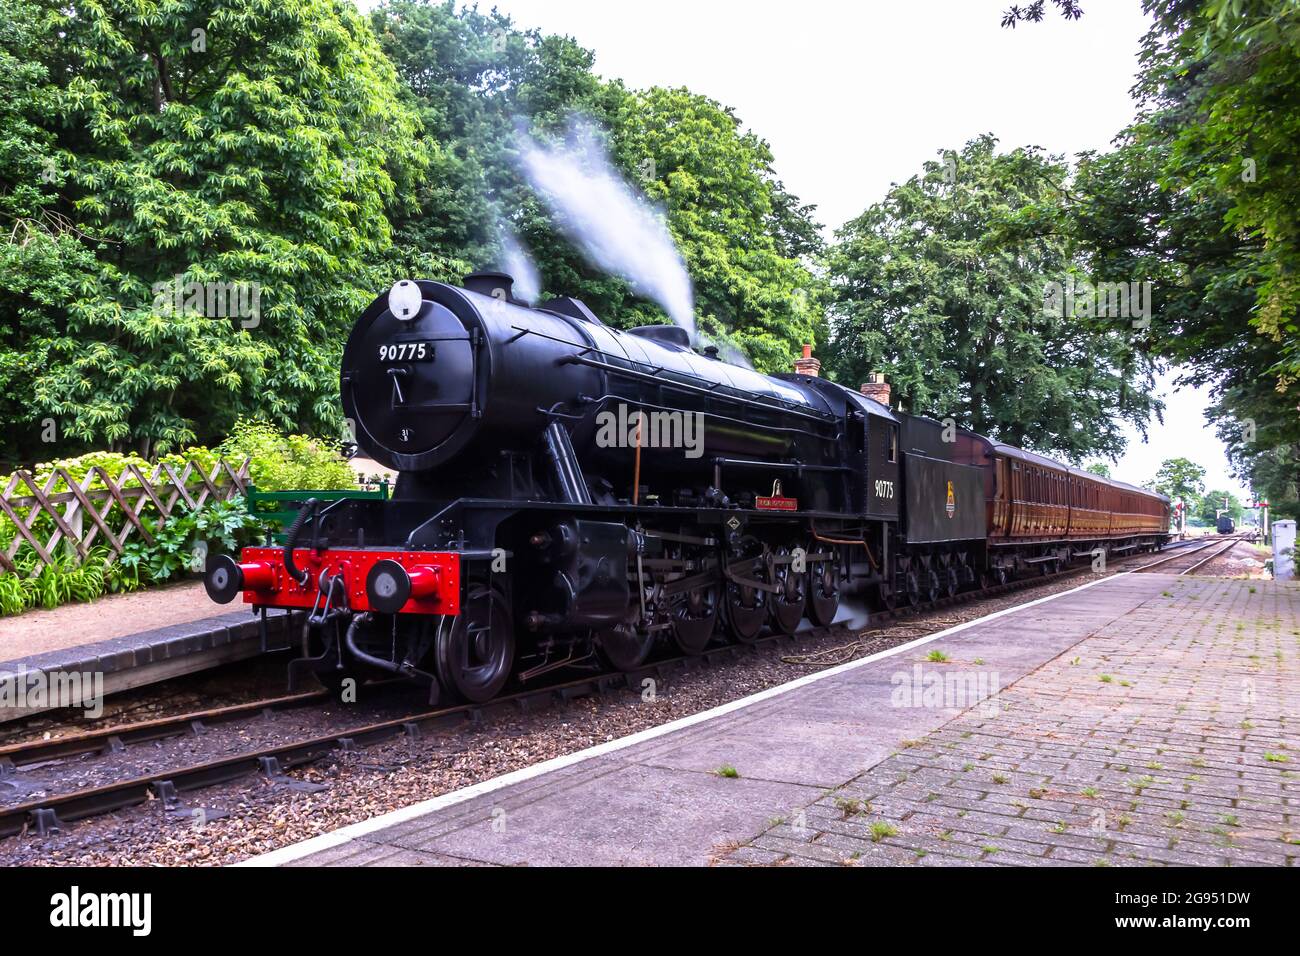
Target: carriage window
893	443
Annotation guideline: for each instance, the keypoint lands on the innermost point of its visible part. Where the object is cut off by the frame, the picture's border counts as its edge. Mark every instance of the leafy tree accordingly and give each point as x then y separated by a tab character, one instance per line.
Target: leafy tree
474	79
253	142
1181	478
1098	468
739	232
1221	91
1217	501
1033	12
933	287
1199	198
1277	481
41	258
478	82
1233	69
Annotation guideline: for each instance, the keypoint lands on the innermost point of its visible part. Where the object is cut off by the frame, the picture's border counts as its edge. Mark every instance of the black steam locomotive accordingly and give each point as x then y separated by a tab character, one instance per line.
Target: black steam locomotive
569	495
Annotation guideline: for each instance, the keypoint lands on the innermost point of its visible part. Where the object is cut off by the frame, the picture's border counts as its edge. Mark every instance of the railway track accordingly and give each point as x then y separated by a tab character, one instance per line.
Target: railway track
48	813
1215	548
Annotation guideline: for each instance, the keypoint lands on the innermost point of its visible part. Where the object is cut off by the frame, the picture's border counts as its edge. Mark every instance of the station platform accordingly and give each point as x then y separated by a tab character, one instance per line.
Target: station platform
131	639
1140	718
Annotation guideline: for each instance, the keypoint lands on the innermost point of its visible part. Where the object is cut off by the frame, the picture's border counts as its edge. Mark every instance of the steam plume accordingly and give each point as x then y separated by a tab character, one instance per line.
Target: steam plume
611	223
516	261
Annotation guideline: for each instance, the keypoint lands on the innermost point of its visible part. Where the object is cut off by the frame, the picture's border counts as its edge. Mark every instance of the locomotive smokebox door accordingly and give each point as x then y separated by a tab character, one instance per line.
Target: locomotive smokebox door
409	371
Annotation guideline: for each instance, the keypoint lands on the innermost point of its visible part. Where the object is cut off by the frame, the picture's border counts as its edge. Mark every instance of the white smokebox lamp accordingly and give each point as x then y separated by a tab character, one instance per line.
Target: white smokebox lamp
404	300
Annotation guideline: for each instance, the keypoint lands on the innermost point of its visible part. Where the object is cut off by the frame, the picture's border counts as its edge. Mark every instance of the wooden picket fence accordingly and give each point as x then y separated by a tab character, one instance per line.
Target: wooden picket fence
82	514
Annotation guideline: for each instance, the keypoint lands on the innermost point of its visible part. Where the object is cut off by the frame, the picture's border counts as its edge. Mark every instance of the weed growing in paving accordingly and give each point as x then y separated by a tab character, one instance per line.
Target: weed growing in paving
880	829
849	807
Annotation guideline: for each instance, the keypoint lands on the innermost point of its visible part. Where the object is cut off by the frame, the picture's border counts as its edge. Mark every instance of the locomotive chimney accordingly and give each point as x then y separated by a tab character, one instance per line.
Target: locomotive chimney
876	388
807	365
498	285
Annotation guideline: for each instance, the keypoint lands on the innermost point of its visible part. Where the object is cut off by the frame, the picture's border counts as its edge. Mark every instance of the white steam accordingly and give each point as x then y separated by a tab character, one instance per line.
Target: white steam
608	220
731	354
519	265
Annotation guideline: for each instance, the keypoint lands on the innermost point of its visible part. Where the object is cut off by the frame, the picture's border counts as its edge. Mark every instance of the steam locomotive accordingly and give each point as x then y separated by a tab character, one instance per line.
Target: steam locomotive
570	495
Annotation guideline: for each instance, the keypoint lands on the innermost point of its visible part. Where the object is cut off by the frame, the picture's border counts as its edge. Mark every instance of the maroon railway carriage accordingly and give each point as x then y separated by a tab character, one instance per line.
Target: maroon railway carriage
1040	512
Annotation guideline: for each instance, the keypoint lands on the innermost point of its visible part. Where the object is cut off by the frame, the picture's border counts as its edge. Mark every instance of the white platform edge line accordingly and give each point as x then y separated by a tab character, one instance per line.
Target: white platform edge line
325	841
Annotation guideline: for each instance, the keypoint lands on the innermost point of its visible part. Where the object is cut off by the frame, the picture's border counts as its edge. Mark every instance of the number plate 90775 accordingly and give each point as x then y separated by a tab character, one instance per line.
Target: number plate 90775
406	352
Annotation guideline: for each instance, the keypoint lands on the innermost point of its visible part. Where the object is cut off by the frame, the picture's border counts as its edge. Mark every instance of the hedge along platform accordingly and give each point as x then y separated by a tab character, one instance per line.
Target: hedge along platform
136	660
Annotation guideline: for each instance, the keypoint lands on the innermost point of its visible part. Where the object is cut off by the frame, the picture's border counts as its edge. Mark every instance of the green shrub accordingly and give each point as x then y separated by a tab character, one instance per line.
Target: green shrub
281	462
277	462
182	543
68	579
13	599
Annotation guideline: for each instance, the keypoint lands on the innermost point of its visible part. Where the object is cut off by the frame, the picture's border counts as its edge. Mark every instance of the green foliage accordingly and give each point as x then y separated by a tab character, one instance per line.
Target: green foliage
149	144
740	233
1215	501
1236	68
937	287
1200	198
180	545
1181	478
1033	12
268	150
276	461
280	462
69	579
13	599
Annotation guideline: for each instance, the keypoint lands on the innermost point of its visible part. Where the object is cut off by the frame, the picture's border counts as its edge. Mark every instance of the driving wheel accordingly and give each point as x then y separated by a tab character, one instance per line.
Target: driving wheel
694	616
624	647
788	603
474	657
823	589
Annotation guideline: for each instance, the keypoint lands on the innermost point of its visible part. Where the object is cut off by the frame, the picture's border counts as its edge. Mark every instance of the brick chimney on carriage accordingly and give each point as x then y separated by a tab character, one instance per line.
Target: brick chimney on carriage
807	365
876	388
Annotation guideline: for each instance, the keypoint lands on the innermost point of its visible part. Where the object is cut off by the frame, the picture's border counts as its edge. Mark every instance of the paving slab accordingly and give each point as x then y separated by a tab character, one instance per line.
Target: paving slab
1143	718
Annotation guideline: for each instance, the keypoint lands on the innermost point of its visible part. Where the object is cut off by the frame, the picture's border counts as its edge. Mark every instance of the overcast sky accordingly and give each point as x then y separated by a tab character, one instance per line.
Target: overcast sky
854	96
